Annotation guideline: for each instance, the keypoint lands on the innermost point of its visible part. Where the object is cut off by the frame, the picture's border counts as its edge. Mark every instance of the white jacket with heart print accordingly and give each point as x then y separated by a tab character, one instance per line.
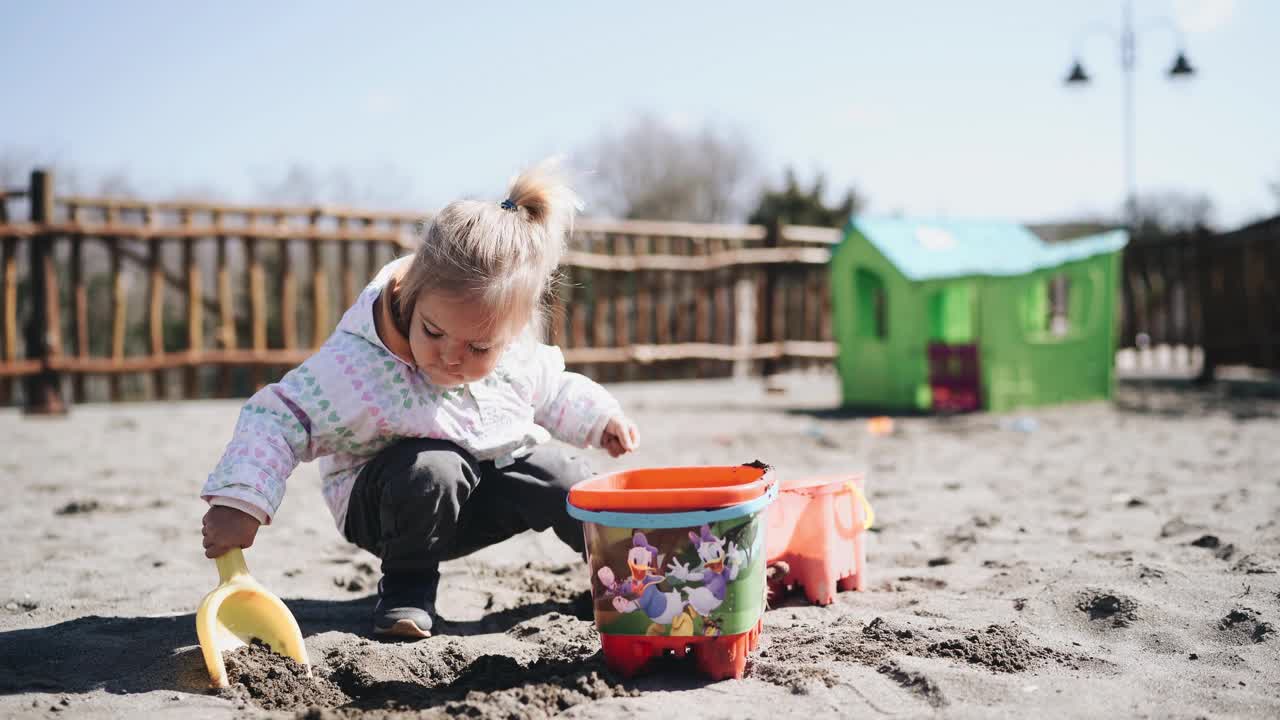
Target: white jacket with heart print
355	397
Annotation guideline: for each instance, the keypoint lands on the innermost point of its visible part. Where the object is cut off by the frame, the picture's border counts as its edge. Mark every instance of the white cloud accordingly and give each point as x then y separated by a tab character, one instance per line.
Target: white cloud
1201	16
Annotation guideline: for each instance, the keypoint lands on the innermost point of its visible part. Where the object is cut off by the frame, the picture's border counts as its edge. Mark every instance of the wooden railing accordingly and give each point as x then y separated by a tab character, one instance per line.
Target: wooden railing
660	300
233	295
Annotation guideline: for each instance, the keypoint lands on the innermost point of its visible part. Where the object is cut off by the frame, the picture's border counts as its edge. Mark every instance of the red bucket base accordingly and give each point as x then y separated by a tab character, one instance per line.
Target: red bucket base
718	658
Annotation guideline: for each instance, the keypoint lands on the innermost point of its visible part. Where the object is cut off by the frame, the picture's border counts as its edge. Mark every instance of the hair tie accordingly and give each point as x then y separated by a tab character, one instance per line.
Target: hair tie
508	204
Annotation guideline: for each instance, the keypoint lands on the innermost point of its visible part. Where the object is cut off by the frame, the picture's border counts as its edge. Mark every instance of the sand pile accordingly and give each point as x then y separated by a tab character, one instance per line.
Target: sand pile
386	679
274	682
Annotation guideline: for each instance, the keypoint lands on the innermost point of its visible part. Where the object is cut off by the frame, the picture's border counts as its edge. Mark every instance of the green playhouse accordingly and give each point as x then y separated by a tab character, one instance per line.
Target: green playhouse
963	315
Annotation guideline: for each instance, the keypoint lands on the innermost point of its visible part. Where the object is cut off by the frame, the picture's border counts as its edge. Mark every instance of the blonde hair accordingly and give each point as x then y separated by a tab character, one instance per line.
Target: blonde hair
501	254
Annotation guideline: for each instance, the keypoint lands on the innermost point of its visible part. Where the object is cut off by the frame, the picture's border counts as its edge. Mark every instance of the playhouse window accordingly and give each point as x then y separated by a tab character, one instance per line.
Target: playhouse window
873	310
1047	312
1058	322
950	312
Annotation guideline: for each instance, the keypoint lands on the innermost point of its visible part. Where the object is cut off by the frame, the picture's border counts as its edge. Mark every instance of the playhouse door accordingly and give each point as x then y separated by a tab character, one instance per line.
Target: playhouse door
954	377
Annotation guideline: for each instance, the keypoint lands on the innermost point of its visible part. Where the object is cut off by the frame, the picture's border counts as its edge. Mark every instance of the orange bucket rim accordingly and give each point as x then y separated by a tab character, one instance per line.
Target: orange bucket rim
593	494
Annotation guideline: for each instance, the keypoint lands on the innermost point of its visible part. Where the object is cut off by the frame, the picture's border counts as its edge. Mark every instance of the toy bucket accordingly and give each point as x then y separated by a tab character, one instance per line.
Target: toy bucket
818	529
677	562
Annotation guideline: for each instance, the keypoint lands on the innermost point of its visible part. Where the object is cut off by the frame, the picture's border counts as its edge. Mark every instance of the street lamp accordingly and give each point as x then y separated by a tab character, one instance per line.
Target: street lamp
1180	69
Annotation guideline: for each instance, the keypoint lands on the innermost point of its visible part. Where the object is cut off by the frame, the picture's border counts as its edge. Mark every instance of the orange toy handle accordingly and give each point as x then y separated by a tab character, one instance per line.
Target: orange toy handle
868	512
869	515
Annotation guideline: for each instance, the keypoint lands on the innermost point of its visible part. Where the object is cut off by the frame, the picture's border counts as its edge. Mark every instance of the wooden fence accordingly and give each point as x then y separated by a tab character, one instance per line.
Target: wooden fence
234	295
1213	291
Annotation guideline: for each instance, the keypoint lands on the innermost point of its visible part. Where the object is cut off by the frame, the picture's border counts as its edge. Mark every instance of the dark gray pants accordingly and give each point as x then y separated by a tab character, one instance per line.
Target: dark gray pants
419	502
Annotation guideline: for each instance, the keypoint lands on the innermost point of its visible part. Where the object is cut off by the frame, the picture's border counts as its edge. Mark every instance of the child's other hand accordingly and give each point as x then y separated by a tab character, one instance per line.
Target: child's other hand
620	437
226	528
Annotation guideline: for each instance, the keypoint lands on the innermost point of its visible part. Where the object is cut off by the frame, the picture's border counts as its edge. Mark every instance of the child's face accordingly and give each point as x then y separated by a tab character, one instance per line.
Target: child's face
456	340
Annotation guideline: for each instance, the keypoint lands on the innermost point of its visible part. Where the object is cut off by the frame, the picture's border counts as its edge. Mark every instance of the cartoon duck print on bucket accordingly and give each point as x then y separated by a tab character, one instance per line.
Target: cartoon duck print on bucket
689	596
641	591
715	574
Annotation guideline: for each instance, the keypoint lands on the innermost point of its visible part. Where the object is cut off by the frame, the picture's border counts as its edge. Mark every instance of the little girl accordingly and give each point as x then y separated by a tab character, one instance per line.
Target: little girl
429	405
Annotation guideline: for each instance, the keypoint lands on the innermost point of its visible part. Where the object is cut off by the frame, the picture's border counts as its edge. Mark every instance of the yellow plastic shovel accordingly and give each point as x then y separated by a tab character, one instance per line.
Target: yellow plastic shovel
239	610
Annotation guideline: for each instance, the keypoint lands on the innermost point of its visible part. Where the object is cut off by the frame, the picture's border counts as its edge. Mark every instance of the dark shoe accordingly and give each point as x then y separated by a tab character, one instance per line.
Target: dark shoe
406	604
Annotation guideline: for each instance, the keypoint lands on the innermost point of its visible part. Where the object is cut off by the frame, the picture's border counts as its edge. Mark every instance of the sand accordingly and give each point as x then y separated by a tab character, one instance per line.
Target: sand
1100	560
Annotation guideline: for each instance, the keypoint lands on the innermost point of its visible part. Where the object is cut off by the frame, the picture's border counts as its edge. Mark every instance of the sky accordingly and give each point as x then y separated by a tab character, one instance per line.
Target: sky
952	109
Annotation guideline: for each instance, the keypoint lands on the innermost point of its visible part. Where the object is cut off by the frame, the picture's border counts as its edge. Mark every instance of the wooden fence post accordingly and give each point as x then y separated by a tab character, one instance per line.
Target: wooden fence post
44	389
155	310
768	325
1208	255
79	308
744	331
1128	309
226	305
8	303
195	310
119	309
319	286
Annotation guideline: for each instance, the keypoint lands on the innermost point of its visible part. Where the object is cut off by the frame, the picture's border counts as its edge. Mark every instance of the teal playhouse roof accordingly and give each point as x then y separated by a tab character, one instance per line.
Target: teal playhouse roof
932	249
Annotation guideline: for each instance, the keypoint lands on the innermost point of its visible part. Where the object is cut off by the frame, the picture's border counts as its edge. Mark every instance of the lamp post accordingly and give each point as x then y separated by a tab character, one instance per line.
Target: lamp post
1127	38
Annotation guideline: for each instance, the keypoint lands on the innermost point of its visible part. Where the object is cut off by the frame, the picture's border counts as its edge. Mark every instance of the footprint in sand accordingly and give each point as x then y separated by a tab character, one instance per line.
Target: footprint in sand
1146	572
912	582
78	507
918	684
1177	526
1110	609
1212	542
1246	625
362	579
1254	564
1206	541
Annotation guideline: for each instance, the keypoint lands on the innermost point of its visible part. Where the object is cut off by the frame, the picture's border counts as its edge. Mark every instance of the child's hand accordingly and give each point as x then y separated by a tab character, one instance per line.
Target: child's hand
620	437
226	528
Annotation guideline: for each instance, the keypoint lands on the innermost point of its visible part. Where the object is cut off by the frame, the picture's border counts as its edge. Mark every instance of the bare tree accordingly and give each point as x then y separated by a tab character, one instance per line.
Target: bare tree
302	184
15	167
298	185
1274	185
654	171
115	184
1174	211
16	164
792	204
